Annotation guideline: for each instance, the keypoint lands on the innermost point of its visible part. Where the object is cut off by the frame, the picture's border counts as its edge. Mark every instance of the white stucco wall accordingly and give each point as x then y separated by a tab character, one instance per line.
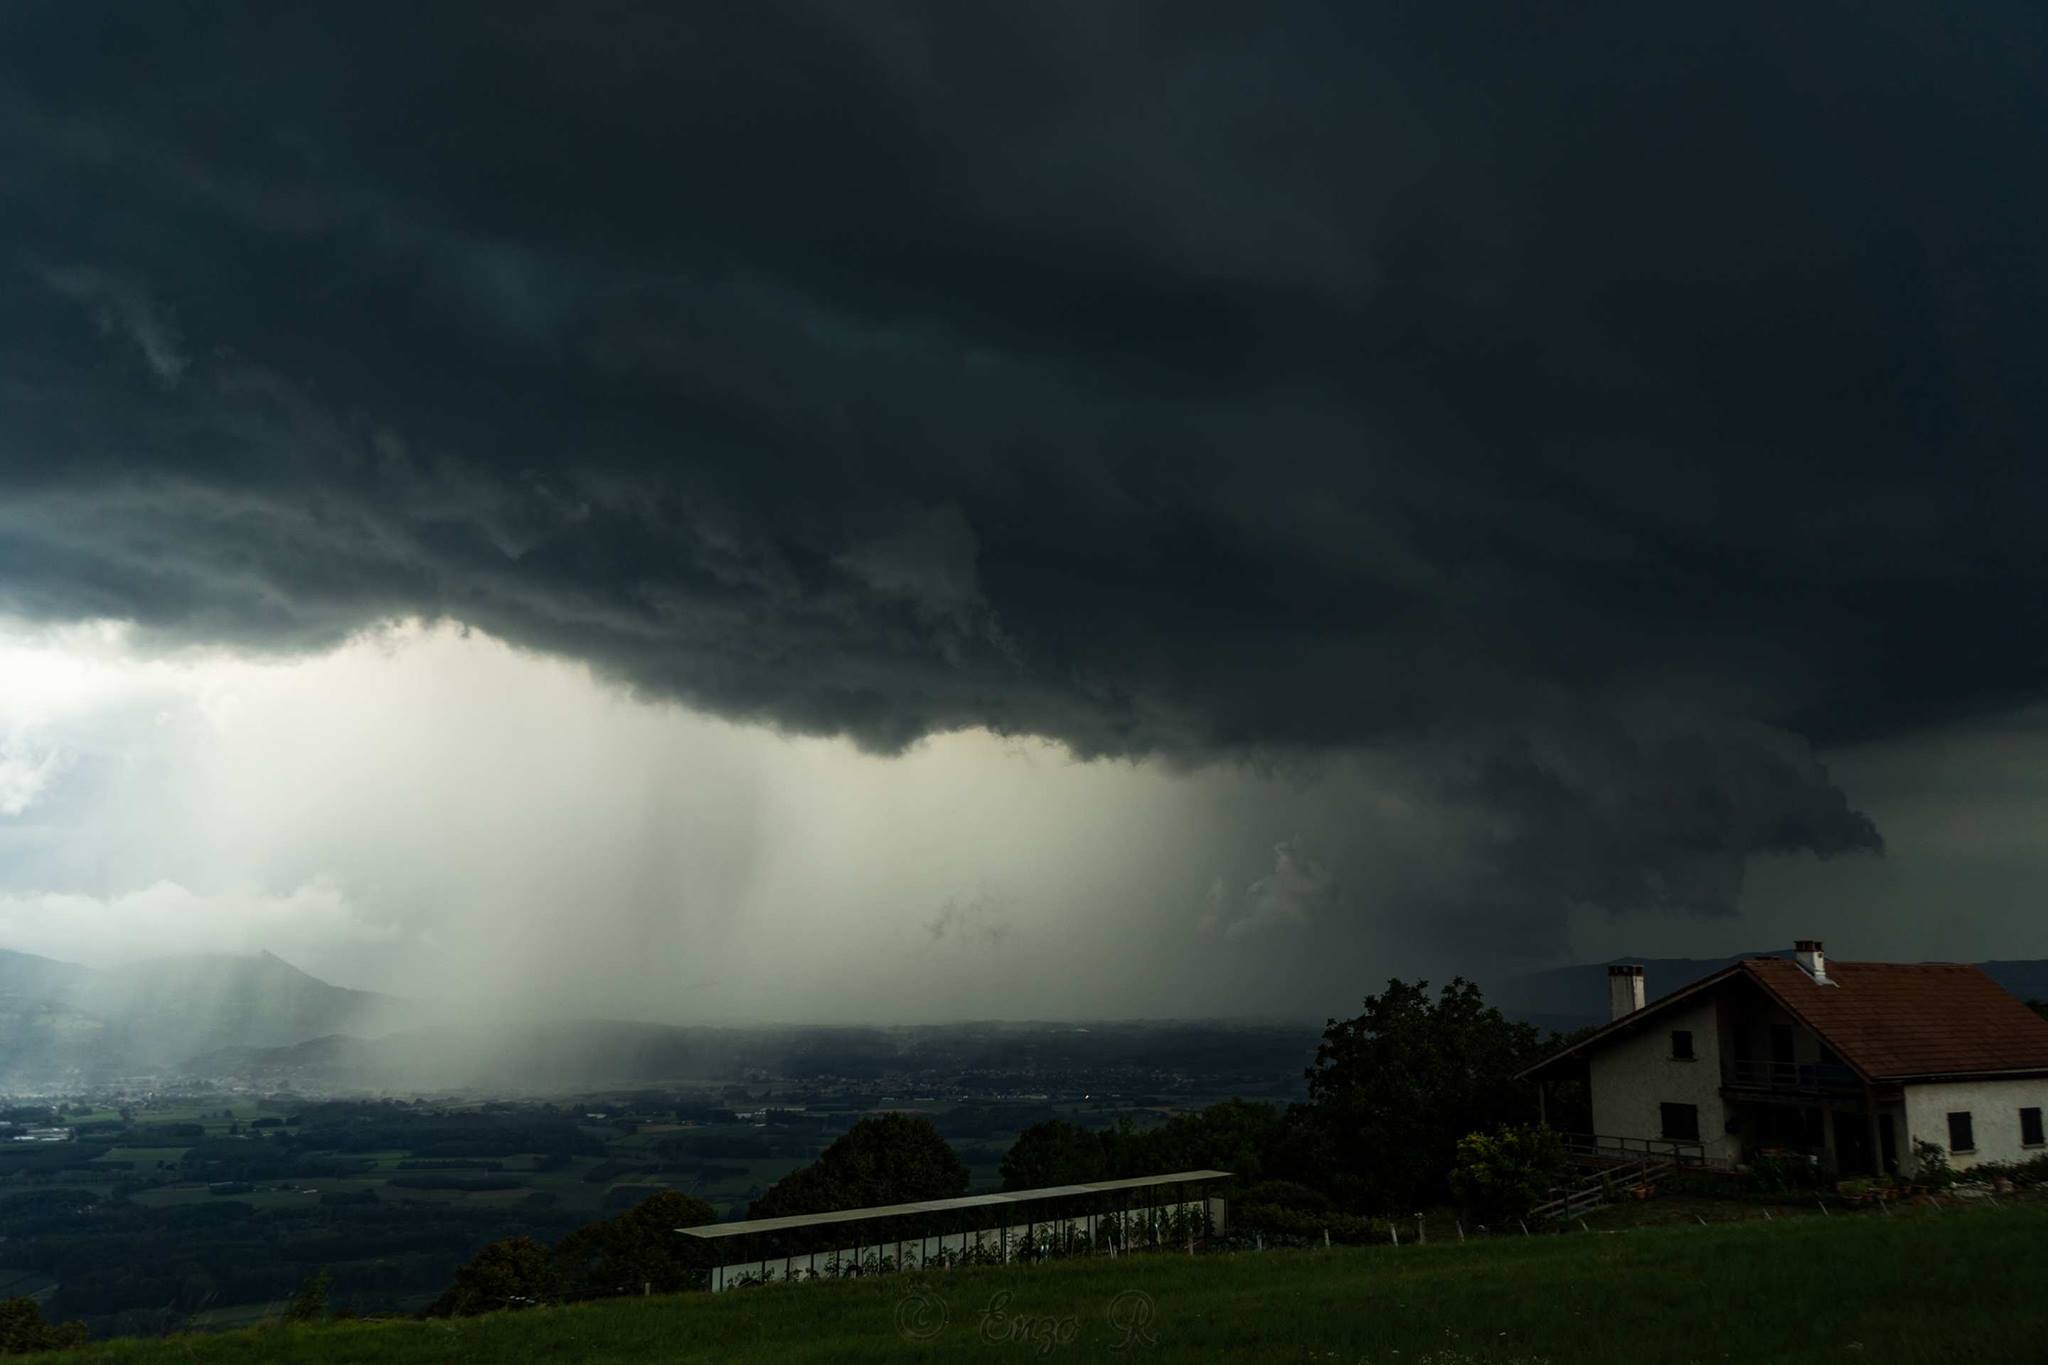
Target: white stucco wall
1633	1075
1994	1108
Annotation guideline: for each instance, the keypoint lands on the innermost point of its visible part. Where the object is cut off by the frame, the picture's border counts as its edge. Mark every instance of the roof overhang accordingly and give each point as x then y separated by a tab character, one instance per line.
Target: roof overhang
748	1227
2025	1073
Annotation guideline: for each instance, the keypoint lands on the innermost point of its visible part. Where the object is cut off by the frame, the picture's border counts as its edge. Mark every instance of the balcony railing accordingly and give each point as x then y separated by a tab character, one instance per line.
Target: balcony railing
1810	1078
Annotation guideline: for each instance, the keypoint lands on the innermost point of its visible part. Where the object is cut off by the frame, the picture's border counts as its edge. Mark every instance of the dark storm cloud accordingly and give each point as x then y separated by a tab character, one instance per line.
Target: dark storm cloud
1594	407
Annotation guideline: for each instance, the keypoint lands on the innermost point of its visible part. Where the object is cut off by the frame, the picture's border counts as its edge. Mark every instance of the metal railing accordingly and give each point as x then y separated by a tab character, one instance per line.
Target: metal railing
1593	1190
1609	1148
1809	1077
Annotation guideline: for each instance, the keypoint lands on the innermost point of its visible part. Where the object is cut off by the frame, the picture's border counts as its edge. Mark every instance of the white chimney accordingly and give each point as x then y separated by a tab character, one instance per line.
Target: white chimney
1624	990
1806	952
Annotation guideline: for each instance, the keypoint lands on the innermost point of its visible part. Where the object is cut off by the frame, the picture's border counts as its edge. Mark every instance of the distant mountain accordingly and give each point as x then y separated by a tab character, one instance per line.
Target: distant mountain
25	976
61	1021
2025	977
1565	998
219	1000
39	1024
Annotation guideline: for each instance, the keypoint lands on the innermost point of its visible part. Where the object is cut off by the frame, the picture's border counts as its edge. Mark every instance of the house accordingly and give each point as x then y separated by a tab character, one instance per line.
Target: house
1849	1062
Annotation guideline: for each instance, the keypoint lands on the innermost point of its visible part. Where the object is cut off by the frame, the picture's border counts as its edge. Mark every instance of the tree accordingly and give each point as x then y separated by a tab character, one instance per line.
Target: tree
1055	1152
1233	1135
310	1303
889	1159
1396	1087
636	1252
516	1272
23	1330
1503	1174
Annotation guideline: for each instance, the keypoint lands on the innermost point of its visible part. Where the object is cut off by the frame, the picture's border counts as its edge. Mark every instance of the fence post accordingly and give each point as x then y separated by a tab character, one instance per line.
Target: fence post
1421	1232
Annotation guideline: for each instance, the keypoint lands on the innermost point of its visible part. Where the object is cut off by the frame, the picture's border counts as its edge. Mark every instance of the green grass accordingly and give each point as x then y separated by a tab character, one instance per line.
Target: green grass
145	1158
1914	1287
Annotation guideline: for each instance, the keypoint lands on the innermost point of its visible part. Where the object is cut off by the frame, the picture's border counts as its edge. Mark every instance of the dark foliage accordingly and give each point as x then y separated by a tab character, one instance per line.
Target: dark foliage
636	1252
890	1159
1054	1152
23	1330
516	1272
1397	1087
310	1303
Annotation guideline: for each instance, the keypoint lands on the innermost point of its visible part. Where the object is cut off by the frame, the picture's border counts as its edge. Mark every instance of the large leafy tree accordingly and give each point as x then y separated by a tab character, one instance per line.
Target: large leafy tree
637	1252
888	1159
1252	1141
516	1272
1055	1152
1396	1087
1234	1136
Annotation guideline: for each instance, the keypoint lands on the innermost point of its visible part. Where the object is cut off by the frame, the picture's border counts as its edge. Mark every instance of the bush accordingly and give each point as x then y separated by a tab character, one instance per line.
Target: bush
517	1272
634	1252
2023	1174
310	1303
22	1330
1285	1194
1930	1165
1776	1172
1282	1225
1503	1174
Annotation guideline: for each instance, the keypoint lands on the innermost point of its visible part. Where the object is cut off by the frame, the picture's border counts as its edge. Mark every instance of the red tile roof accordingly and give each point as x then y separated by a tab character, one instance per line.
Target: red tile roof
1889	1020
1892	1020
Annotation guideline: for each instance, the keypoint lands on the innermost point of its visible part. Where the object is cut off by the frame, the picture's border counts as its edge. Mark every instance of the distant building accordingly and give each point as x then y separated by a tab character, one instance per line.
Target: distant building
1851	1062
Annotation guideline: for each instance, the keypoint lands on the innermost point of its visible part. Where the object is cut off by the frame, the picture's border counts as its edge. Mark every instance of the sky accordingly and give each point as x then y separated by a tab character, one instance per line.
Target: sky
907	511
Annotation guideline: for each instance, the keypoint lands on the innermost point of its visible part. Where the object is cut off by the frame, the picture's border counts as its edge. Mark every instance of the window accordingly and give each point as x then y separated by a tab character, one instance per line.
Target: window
1681	1122
2030	1128
1681	1045
1960	1138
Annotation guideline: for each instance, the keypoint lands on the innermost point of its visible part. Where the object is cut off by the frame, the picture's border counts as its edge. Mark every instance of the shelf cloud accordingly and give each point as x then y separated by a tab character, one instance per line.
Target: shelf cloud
1593	415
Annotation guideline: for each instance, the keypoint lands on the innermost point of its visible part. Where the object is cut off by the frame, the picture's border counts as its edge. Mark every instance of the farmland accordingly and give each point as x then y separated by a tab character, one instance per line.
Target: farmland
207	1209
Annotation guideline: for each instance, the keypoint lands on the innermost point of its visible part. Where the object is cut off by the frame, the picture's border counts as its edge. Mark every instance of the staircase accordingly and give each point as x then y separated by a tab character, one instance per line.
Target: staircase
1592	1190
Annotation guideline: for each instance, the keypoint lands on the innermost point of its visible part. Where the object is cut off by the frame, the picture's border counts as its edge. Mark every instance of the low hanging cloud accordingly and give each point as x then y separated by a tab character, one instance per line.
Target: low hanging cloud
990	369
165	919
1291	896
26	766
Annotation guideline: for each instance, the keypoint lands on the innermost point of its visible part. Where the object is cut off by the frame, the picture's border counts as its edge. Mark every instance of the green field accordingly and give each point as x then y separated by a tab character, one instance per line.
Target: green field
1920	1286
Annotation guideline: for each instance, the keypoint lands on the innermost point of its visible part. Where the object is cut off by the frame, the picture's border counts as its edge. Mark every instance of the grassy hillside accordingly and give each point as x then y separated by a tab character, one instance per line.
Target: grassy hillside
1918	1286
